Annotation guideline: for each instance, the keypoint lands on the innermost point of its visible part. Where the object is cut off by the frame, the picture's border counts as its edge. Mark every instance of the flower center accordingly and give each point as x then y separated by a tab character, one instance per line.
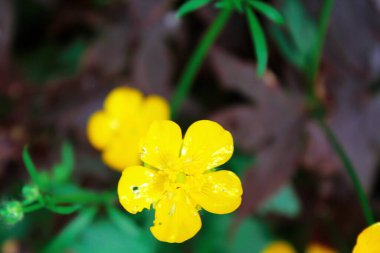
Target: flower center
181	178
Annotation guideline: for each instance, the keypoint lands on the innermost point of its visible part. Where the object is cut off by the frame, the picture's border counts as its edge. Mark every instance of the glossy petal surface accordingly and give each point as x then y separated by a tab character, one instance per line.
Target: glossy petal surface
279	247
139	187
123	102
154	108
218	192
120	154
176	218
206	145
369	240
161	146
100	129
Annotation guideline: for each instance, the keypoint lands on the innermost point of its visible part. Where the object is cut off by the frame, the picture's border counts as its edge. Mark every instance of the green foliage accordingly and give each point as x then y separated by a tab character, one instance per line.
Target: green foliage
267	10
68	235
284	202
251	236
258	37
247	7
190	6
11	212
296	39
52	61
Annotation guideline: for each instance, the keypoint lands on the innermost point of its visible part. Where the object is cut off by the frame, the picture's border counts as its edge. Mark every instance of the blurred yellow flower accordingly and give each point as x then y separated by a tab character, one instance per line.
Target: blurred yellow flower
178	178
369	240
117	129
279	247
318	248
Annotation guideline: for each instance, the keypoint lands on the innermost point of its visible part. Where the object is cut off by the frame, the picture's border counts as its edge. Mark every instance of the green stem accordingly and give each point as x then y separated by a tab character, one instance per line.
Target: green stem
193	66
33	207
312	69
85	198
339	150
317	108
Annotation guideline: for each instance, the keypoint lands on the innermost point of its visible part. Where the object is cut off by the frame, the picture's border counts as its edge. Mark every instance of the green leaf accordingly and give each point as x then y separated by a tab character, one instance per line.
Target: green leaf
214	238
284	202
258	38
71	231
115	240
31	168
296	39
251	236
238	4
269	11
63	170
121	220
190	6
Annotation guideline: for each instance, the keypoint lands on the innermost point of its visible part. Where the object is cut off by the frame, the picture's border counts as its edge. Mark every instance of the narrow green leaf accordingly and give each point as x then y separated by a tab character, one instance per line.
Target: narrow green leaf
258	38
63	170
191	6
122	221
71	231
238	4
30	167
269	11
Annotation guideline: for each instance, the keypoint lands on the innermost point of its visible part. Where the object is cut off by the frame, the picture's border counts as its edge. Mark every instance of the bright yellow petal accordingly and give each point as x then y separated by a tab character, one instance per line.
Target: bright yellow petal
121	153
318	248
100	129
154	108
161	145
138	188
368	240
206	145
176	218
218	192
279	247
123	103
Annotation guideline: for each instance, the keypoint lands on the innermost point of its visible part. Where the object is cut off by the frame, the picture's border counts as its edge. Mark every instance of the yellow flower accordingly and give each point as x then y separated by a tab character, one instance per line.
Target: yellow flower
117	129
279	247
178	178
369	240
318	248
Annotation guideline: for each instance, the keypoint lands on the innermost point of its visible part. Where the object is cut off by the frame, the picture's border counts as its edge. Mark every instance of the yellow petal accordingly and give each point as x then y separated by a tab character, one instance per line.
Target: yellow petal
138	188
123	102
121	153
154	108
176	218
218	192
206	145
368	240
318	248
100	129
279	247
161	145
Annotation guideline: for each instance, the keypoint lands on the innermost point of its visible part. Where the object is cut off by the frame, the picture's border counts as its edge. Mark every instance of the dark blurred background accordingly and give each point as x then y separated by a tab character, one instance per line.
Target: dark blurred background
59	59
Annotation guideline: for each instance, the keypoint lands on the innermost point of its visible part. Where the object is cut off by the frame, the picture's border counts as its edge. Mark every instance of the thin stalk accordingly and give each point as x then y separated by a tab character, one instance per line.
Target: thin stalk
196	60
32	208
316	55
339	150
85	198
316	106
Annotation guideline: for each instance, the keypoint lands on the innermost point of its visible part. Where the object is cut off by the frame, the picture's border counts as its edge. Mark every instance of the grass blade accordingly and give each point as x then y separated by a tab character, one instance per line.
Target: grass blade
269	11
258	38
191	6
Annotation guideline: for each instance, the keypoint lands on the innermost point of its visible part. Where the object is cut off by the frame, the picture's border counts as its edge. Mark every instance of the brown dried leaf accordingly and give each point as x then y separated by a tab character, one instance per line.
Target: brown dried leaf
272	129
